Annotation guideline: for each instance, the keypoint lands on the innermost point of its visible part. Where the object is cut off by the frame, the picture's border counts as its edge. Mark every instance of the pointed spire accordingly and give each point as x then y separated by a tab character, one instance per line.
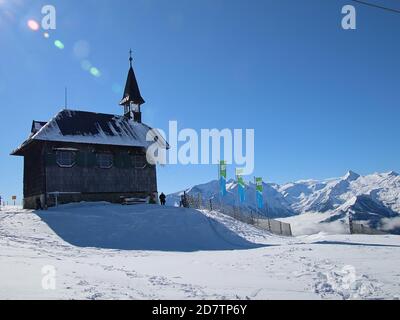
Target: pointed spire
131	92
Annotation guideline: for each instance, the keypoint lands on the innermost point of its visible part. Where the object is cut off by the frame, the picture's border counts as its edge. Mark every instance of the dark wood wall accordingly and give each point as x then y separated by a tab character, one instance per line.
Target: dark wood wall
34	180
130	172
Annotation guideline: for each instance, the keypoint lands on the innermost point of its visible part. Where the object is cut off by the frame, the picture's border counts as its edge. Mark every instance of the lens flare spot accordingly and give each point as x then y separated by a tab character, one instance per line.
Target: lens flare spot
46	35
33	25
95	72
86	65
59	44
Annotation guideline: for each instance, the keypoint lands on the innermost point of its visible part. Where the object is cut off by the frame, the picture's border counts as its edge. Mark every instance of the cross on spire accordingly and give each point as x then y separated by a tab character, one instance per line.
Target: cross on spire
130	57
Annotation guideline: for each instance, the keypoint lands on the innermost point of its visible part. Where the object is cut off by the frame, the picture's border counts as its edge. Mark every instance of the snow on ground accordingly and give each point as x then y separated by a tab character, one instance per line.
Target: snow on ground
142	227
319	266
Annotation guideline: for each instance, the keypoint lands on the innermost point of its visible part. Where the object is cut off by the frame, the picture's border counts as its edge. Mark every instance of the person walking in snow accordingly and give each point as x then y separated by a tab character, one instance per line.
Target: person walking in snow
163	199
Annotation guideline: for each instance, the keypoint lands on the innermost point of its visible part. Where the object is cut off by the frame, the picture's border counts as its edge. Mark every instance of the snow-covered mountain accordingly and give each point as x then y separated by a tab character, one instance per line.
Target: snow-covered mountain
373	199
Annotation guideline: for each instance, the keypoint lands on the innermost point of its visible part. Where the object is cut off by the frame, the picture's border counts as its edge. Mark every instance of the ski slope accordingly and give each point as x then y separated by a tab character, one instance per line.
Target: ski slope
104	251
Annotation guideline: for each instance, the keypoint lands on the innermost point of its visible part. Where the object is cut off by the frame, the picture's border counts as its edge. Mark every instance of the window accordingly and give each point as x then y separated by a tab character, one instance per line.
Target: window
66	159
104	160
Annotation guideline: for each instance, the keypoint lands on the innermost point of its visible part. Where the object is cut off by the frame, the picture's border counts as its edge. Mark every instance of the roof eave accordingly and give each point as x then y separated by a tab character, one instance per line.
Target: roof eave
20	150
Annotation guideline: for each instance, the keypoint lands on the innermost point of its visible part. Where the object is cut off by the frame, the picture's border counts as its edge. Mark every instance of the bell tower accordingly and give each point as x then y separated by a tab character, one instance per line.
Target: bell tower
132	100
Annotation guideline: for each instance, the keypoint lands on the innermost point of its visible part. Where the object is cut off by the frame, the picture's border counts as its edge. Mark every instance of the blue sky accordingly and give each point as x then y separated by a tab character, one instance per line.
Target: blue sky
322	100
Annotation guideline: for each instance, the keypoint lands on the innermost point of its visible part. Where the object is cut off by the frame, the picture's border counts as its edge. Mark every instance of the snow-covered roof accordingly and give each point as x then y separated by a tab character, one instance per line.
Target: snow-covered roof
37	125
94	128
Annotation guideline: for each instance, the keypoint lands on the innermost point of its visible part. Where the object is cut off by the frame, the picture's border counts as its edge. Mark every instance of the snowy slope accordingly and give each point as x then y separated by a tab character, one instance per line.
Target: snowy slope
311	267
140	227
373	199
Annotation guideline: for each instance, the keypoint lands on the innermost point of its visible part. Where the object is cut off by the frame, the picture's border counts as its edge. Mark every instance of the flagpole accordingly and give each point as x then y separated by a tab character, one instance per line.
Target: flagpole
255	186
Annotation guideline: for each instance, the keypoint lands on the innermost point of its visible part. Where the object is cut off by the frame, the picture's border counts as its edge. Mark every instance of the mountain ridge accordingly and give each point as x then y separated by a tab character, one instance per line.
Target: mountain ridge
371	199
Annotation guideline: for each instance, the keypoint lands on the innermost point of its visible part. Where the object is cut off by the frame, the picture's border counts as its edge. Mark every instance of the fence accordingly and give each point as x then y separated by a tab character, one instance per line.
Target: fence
245	215
359	228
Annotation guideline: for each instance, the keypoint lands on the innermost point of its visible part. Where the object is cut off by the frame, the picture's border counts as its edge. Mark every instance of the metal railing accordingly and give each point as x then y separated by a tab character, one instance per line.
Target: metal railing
359	228
246	215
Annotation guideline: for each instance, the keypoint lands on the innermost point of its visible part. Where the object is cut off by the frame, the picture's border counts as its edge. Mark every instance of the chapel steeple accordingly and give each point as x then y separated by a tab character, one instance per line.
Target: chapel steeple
132	99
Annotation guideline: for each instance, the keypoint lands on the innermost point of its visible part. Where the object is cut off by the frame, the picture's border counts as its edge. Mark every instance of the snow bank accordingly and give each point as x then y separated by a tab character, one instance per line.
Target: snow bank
140	227
320	266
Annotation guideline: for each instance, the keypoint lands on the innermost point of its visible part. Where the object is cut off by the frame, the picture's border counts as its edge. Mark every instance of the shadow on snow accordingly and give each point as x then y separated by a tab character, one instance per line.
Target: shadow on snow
344	243
141	227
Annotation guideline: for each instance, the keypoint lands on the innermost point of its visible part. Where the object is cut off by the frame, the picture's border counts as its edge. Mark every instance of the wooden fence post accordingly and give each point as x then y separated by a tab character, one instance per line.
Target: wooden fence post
351	224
